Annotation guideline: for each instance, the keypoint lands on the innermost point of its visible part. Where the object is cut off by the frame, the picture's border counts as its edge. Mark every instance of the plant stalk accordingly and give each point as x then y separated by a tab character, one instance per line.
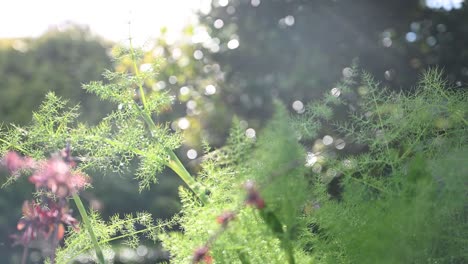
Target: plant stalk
174	162
24	258
88	227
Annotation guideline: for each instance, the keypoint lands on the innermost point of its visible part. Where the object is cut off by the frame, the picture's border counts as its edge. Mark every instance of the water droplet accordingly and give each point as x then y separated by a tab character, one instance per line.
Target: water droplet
340	144
327	140
250	133
335	92
192	154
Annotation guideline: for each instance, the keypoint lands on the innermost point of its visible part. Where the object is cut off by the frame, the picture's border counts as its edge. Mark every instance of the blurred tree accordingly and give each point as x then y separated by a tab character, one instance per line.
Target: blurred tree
297	49
60	60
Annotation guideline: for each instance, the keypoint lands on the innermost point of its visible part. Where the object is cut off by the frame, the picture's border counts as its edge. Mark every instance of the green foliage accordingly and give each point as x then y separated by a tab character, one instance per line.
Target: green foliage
129	228
401	199
400	196
109	146
59	61
275	166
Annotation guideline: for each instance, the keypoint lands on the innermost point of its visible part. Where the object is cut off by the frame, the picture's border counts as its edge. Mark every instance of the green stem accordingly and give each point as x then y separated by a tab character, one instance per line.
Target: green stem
88	226
174	162
275	225
16	147
176	165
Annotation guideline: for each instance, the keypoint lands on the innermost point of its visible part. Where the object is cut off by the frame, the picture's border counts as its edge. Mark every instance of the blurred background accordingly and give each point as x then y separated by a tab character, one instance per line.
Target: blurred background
220	59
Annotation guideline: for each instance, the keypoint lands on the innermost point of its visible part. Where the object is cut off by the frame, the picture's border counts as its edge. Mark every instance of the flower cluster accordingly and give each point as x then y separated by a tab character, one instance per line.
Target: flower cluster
55	180
43	223
15	163
225	218
54	174
253	195
202	254
253	198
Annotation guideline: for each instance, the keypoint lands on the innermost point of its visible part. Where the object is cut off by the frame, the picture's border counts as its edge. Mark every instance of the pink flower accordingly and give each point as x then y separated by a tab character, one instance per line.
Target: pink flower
41	223
201	254
253	196
56	175
225	218
15	163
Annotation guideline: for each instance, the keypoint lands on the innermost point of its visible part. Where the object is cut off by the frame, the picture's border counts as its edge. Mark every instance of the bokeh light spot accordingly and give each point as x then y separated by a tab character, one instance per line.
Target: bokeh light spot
327	140
387	42
184	90
340	144
250	133
335	92
411	36
183	123
223	2
289	20
210	89
311	159
347	72
233	44
219	23
192	154
172	79
298	106
255	3
198	54
146	67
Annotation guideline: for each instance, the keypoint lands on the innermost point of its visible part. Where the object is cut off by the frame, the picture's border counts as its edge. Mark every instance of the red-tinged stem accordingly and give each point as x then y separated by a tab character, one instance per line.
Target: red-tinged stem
24	258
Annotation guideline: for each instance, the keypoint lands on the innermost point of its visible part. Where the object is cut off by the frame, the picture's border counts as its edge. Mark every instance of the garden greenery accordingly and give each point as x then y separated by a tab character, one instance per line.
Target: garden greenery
397	196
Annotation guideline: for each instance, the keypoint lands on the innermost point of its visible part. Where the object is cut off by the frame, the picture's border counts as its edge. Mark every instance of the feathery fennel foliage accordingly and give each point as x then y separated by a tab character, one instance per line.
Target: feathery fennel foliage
130	228
275	164
125	135
401	199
